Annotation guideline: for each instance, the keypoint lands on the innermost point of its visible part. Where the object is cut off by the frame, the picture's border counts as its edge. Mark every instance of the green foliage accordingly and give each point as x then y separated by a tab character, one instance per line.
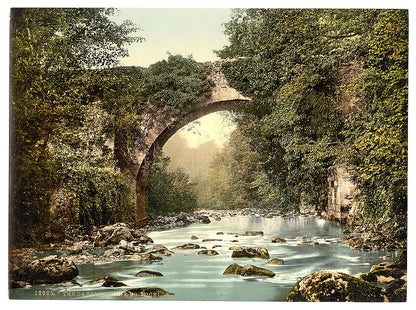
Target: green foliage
176	84
51	50
290	62
378	131
169	192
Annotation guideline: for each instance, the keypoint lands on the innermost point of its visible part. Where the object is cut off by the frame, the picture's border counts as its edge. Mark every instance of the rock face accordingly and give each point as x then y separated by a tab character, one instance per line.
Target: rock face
248	271
334	286
151	292
50	269
248	252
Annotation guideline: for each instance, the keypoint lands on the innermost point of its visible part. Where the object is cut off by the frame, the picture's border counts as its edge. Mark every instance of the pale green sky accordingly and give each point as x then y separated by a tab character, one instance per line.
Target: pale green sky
195	32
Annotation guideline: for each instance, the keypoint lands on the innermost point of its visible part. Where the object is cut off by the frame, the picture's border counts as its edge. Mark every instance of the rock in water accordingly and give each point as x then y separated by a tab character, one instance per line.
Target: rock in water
188	246
102	279
278	240
112	283
247	252
248	271
50	269
254	271
233	269
253	233
208	252
151	292
148	273
334	286
275	261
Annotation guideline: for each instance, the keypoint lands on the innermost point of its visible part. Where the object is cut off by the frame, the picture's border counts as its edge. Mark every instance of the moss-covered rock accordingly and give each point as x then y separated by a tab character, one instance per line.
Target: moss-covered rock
188	246
334	286
208	252
113	283
247	252
386	275
254	271
149	257
394	291
102	279
151	292
233	269
249	271
51	269
275	261
148	274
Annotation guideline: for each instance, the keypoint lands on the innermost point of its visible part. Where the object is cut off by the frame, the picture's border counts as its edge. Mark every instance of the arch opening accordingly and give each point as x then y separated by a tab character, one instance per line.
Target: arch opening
141	208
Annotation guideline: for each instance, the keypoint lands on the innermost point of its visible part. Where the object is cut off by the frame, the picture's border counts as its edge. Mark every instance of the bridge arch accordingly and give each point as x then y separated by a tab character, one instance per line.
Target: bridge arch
222	98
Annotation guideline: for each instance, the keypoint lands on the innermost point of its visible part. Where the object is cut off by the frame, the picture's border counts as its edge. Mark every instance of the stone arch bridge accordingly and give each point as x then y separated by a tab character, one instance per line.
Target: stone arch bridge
222	98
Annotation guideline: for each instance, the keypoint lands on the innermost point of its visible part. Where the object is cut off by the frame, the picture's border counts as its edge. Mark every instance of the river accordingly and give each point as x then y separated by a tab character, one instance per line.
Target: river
200	278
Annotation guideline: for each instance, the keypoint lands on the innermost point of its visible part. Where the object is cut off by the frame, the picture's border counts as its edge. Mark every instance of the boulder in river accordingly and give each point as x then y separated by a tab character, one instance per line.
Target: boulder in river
113	283
114	252
148	274
248	252
251	233
188	246
164	252
151	292
248	271
275	261
210	240
50	269
149	257
208	252
334	286
102	279
278	240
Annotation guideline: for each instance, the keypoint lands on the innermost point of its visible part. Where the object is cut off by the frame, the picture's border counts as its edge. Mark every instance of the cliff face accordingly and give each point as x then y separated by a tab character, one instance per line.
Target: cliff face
342	194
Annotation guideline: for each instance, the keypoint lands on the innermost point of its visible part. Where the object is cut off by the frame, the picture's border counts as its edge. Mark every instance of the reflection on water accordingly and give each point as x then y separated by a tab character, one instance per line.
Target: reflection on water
198	277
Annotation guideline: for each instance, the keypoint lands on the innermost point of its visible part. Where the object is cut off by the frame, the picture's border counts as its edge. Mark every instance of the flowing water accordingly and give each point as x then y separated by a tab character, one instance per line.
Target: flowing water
196	277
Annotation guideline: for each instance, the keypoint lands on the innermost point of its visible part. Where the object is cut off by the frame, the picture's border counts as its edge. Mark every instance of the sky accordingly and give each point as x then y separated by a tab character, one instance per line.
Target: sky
196	32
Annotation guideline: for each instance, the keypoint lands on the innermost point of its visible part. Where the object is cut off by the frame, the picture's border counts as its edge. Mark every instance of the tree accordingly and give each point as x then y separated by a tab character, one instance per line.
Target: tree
377	132
287	60
51	52
169	192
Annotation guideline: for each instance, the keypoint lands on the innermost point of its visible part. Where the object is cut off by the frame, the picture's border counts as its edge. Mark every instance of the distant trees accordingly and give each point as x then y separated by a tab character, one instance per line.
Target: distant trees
169	192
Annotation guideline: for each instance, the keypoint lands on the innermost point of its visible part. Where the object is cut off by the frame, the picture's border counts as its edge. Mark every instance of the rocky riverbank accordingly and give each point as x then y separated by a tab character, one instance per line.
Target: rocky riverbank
121	242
